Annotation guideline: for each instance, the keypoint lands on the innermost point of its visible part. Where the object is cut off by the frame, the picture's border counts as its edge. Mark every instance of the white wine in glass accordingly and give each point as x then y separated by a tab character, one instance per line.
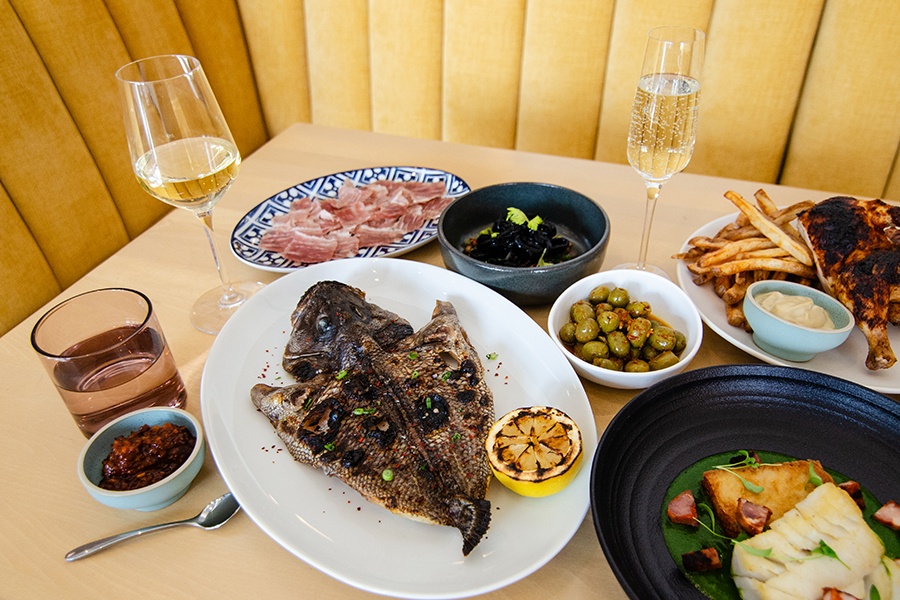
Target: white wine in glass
664	116
182	153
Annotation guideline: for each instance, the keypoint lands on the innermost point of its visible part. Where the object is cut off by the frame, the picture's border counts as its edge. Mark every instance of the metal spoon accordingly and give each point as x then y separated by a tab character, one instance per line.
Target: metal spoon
213	516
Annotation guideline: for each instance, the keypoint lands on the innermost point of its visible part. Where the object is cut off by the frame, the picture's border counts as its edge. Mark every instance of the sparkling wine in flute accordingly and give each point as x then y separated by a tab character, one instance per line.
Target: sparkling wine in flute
664	117
663	125
182	153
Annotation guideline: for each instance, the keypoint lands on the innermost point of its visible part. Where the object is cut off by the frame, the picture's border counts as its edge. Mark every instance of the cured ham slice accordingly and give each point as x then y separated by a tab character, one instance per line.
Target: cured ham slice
379	213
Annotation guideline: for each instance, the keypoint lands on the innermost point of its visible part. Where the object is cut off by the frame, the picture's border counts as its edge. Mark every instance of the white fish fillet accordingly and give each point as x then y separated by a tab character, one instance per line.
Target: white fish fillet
790	571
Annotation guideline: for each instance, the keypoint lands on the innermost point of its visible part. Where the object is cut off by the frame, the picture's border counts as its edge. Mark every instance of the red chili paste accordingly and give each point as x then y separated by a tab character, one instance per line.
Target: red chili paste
146	456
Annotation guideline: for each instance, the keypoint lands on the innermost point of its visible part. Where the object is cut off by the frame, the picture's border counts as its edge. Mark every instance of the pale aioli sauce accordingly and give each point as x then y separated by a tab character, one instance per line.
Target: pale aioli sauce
799	310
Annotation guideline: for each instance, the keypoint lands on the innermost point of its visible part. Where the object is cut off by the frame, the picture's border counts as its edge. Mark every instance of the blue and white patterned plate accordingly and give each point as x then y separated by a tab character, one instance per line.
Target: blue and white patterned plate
247	233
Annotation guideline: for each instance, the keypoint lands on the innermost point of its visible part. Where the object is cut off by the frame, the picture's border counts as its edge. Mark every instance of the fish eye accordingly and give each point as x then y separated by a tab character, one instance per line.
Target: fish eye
324	326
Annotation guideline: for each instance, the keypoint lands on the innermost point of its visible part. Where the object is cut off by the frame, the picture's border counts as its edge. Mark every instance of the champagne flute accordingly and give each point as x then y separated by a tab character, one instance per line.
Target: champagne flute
183	153
664	117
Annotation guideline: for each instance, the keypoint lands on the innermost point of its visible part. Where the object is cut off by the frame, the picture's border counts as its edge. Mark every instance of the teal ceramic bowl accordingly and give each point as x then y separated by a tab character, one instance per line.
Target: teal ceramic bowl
576	217
787	340
154	496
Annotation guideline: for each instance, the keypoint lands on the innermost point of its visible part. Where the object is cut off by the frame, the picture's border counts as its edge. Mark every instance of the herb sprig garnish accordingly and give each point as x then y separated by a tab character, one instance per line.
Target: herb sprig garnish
813	476
748	461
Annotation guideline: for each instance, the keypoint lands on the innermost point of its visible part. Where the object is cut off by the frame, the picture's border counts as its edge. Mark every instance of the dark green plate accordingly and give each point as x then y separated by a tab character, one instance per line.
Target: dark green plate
670	426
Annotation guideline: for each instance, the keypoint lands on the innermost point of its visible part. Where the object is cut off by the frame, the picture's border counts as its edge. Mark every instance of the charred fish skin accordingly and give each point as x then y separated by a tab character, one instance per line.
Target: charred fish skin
327	309
407	412
350	430
443	390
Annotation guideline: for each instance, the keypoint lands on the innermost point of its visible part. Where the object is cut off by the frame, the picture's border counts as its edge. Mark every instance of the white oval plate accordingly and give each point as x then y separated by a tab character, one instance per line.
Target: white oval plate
847	361
328	524
246	234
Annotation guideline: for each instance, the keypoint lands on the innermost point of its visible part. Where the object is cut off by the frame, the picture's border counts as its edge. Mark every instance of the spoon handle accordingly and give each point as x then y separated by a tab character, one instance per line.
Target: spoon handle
96	546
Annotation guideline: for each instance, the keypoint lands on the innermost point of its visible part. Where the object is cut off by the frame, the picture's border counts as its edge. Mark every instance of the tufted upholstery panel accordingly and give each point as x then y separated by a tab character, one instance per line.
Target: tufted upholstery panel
800	93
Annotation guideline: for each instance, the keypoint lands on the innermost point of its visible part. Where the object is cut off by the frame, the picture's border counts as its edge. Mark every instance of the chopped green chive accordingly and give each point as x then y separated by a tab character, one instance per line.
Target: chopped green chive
446	375
341	374
415	375
813	476
428	402
363	411
455	437
387	475
492	356
412	355
329	446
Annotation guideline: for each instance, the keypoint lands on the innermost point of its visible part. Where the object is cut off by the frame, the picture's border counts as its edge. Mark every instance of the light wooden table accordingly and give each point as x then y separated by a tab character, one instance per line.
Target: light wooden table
44	511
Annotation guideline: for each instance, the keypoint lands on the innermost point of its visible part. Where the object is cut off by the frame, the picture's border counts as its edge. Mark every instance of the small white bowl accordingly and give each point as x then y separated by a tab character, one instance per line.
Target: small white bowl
668	302
790	341
156	495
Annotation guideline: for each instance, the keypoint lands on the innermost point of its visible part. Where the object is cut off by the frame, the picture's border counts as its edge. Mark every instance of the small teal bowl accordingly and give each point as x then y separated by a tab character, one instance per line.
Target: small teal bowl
787	340
154	496
576	216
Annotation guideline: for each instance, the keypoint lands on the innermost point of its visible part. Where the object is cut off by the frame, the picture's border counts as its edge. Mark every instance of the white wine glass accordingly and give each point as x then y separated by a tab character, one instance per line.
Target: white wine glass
182	153
664	117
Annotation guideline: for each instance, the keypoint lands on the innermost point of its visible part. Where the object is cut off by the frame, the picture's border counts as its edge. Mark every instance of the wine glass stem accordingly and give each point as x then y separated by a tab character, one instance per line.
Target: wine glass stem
652	196
229	296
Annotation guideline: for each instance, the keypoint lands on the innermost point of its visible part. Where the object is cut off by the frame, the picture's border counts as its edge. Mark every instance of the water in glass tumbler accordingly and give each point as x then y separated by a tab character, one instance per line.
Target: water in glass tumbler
109	379
105	352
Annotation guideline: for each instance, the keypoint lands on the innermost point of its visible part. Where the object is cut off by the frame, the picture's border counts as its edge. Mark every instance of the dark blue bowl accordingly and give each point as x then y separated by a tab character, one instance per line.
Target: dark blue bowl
575	215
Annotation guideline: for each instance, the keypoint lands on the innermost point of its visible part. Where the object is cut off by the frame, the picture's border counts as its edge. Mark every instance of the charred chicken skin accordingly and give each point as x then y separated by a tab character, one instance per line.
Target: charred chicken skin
856	247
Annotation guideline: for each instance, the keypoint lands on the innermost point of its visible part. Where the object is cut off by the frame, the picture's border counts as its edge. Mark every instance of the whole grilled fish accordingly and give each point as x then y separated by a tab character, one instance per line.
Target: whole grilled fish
400	418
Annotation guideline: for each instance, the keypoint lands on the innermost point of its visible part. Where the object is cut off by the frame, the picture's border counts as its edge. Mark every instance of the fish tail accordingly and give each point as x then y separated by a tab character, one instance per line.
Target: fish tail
472	516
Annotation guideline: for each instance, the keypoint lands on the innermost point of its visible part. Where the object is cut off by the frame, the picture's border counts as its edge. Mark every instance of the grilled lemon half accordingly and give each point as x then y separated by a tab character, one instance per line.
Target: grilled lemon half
535	451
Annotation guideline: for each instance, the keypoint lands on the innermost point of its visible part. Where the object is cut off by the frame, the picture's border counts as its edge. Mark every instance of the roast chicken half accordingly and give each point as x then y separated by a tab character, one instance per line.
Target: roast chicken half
856	247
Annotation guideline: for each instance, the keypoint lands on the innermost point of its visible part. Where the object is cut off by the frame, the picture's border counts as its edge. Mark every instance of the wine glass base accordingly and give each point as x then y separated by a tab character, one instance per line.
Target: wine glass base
648	268
215	307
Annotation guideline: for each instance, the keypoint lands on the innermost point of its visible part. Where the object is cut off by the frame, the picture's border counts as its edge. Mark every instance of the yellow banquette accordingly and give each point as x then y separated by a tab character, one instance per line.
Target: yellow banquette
799	92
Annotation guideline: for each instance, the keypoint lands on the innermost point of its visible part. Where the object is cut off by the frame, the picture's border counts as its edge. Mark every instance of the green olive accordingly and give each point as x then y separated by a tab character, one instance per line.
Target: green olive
619	297
603	307
636	365
618	344
594	349
581	310
680	342
624	317
598	294
609	363
662	360
638	332
648	352
662	338
638	308
608	320
586	330
567	332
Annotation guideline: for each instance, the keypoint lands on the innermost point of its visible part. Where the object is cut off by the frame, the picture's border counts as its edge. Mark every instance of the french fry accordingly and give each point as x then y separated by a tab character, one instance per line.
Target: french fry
734	313
771	264
734	248
721	283
759	244
771	230
765	203
736	292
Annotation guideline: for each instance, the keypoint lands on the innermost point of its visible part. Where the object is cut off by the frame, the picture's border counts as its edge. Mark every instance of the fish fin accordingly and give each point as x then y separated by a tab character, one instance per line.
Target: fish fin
472	516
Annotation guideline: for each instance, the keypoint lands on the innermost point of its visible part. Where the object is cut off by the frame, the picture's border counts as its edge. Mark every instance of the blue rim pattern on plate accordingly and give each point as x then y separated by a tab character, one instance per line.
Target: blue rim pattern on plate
248	231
